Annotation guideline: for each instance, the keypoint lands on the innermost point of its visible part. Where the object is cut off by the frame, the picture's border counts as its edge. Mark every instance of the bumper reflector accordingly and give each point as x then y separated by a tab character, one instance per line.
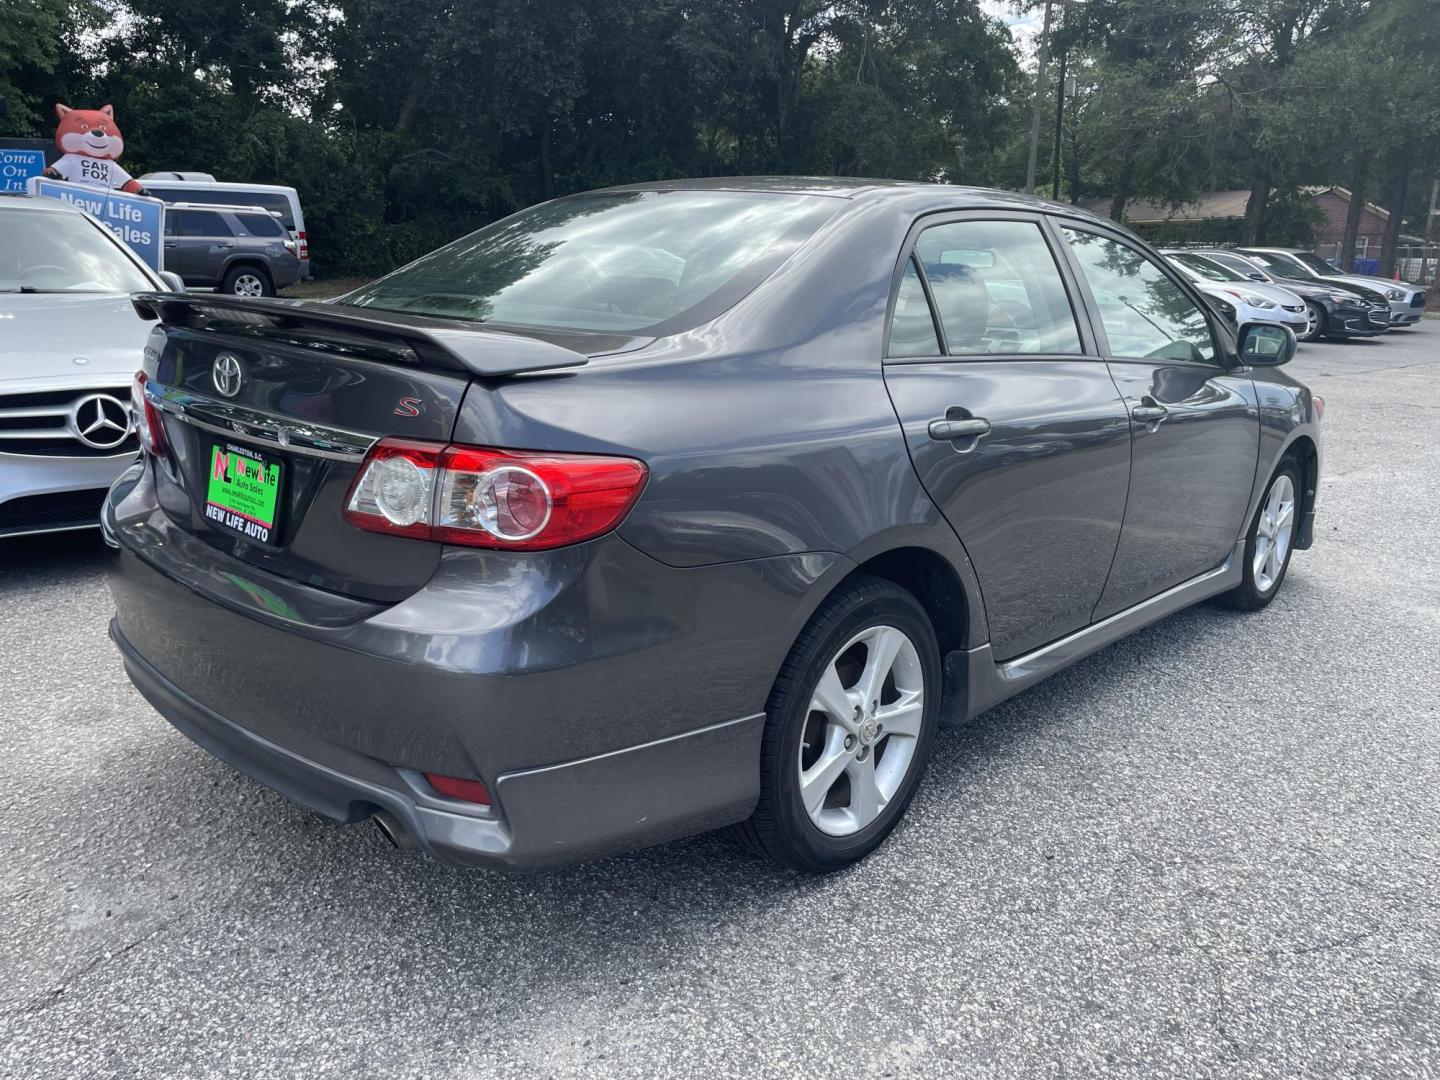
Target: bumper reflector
452	787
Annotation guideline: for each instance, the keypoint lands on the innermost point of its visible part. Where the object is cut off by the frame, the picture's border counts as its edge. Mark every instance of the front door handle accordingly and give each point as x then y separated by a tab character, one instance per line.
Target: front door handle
950	430
1149	413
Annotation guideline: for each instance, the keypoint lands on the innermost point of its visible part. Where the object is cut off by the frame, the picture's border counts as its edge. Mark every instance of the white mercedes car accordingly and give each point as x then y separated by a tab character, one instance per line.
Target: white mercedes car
70	344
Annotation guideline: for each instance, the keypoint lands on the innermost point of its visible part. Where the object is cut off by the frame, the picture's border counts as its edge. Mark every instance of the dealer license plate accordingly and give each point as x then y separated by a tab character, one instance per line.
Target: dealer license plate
243	492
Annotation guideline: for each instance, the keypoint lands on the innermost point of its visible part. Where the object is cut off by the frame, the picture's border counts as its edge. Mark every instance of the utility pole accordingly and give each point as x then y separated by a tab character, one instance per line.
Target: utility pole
1060	92
1042	58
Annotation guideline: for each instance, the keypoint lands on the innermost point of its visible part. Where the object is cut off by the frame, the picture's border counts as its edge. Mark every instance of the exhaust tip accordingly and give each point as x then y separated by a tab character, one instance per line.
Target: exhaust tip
391	829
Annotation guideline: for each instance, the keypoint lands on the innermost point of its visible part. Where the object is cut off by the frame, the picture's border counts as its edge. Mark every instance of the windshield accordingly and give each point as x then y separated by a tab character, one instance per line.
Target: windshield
617	261
1207	269
1282	266
56	251
1242	267
1318	265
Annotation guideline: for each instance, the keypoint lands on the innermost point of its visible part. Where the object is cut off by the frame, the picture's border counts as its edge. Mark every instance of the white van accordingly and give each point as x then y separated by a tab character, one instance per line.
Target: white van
192	187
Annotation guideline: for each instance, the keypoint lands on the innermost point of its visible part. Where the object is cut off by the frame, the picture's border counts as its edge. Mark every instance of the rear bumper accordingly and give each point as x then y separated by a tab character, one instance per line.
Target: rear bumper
607	701
552	815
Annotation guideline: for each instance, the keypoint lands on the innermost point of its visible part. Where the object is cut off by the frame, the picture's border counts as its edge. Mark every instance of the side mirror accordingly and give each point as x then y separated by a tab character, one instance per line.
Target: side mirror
1266	345
173	280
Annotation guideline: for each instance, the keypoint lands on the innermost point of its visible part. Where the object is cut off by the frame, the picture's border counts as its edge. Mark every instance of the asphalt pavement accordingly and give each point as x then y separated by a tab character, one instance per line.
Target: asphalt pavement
1210	850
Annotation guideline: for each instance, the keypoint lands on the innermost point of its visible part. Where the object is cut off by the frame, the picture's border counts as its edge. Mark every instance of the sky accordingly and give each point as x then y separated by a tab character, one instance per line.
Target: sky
1025	27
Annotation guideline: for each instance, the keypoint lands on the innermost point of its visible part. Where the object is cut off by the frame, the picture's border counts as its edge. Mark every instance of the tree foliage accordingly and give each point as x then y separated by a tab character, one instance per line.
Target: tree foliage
405	122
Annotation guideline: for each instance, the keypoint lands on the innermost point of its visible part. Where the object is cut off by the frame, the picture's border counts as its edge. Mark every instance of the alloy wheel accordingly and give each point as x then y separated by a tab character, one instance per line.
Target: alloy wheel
249	285
861	731
1272	533
1312	322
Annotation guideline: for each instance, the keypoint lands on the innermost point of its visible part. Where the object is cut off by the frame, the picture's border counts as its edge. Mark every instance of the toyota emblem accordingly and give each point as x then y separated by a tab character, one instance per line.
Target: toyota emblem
100	421
226	374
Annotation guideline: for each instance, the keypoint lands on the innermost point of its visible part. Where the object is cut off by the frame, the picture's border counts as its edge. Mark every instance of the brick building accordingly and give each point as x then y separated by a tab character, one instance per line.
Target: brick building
1217	214
1334	204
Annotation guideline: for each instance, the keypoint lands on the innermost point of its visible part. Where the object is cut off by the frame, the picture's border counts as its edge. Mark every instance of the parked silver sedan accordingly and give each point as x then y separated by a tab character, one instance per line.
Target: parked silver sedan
70	344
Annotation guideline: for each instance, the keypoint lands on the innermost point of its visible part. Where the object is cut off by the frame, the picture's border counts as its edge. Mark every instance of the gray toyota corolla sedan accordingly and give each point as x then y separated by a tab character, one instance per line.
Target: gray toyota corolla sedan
668	507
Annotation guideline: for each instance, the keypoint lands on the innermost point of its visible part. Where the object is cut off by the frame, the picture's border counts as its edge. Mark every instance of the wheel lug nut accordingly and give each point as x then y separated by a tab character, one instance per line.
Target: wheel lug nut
849	742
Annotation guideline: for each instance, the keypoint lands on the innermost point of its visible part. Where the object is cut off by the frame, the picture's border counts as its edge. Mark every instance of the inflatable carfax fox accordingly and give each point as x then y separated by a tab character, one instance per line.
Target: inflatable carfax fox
90	143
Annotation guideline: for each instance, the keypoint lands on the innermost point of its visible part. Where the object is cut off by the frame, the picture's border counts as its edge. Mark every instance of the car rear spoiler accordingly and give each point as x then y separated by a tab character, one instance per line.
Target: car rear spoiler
478	350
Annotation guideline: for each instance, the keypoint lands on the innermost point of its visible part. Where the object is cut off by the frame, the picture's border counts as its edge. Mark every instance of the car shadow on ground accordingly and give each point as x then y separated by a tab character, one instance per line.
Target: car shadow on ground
50	559
685	889
214	840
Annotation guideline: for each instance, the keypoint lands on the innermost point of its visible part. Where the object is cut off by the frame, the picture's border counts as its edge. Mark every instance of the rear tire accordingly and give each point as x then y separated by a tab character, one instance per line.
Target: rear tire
836	774
1270	541
249	281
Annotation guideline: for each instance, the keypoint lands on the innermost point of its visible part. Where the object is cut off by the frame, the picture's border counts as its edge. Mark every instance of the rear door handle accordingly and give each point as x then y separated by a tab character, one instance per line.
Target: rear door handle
950	430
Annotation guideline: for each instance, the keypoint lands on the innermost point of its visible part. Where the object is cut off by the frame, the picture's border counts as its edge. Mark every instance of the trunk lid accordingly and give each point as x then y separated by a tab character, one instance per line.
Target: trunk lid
268	408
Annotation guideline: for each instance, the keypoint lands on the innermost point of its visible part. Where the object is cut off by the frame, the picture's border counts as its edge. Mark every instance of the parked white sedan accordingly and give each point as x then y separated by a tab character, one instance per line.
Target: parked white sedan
70	344
1252	303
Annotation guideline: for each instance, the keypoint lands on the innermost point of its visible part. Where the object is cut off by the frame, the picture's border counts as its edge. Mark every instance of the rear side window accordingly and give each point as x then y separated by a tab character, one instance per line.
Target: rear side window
1145	314
260	225
198	223
658	261
997	289
912	327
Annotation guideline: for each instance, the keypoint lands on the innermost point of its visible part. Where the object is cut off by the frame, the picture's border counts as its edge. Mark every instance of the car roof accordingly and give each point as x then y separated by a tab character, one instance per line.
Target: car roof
170	184
38	202
241	208
1275	250
870	189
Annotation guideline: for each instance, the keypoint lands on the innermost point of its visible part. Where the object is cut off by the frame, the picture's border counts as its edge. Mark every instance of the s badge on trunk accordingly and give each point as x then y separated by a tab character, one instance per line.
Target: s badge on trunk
409	406
227	374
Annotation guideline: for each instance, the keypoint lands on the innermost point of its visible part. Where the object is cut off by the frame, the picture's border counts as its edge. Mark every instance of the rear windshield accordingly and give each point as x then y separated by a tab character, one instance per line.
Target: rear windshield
617	261
42	251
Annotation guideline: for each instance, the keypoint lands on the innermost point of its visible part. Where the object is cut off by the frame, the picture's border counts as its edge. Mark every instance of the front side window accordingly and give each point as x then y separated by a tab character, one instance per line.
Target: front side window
1145	314
997	289
55	251
610	261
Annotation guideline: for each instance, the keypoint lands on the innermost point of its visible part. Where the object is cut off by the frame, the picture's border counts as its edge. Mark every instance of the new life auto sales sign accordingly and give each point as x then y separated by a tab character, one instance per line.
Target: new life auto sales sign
137	220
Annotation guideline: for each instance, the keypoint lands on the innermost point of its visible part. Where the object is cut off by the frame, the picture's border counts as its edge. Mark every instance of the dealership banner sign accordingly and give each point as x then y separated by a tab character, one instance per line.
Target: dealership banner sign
18	166
135	219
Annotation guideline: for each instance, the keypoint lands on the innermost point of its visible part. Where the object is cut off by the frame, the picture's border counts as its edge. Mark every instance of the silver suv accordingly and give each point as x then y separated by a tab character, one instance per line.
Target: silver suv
242	250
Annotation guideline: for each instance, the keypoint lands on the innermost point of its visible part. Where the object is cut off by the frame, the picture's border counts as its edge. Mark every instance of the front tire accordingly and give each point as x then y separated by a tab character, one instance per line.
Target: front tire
248	281
1315	320
1270	542
848	729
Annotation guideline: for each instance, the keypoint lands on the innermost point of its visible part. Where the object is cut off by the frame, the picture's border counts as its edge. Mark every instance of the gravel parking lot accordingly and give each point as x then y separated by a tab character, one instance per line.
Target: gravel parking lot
1210	850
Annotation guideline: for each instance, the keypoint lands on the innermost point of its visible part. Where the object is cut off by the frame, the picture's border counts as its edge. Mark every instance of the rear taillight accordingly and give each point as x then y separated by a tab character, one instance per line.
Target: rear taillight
304	245
147	417
480	497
